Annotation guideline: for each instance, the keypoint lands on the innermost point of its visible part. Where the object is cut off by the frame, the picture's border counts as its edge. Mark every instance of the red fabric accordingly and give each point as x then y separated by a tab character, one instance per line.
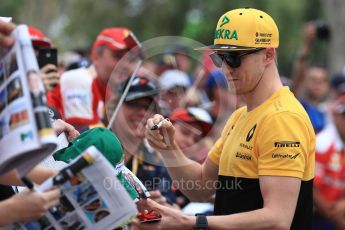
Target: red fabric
100	88
330	173
54	99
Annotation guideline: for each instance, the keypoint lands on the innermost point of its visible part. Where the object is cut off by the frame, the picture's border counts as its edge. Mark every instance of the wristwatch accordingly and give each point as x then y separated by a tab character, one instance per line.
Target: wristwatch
201	222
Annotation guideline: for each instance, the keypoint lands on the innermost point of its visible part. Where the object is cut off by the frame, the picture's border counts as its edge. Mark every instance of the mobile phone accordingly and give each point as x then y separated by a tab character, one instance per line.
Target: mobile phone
47	56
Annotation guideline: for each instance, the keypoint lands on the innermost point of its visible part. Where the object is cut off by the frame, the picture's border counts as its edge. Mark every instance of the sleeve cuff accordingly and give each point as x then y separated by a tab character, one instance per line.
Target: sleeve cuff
289	173
214	159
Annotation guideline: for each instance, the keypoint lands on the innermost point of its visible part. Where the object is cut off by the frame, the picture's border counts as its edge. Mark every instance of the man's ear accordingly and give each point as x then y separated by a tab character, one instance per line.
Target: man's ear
270	55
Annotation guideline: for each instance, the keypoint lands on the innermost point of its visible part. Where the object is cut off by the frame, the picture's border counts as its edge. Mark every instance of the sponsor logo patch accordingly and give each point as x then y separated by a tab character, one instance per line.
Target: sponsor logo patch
243	156
225	20
285	156
251	133
246	146
286	144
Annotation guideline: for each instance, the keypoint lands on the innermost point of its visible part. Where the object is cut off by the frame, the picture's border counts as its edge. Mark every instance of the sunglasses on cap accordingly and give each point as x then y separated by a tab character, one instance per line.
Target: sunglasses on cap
232	59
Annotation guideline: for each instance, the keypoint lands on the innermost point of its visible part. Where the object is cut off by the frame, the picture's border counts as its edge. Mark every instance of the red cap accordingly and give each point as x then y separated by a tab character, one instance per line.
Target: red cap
116	38
38	38
191	115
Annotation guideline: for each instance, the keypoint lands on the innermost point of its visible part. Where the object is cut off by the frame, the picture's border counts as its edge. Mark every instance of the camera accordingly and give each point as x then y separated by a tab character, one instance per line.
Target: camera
323	31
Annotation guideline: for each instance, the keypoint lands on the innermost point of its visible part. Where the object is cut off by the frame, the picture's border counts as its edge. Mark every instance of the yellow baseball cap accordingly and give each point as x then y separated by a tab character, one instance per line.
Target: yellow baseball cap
244	29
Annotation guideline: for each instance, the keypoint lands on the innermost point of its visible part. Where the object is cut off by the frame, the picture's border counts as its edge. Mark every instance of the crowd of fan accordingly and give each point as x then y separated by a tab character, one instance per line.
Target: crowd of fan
85	89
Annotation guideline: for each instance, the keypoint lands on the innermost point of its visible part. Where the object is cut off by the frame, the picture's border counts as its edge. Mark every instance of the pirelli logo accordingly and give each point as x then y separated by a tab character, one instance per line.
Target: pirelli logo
286	144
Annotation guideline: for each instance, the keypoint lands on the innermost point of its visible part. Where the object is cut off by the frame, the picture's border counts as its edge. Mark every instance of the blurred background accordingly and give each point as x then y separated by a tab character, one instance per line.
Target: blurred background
192	91
74	24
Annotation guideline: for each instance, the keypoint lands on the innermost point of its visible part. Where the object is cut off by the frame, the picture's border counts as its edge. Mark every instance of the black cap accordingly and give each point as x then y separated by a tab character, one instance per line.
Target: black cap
141	87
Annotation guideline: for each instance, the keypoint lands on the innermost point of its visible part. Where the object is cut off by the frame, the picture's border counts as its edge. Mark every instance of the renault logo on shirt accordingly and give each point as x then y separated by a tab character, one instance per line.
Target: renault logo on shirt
246	146
251	133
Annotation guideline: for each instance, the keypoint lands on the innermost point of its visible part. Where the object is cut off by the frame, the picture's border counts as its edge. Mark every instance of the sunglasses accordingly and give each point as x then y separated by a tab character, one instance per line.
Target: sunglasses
232	59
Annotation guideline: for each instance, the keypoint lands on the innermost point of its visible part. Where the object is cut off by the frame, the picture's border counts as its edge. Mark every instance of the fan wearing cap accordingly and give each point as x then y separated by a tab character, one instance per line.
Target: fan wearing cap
129	125
329	193
173	85
139	104
263	162
49	73
191	125
82	93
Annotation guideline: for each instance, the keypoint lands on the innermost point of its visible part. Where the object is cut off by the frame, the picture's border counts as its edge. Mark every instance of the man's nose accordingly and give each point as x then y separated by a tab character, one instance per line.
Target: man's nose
226	69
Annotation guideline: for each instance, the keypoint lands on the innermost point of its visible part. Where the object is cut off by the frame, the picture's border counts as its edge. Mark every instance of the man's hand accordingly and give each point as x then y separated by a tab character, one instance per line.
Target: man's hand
157	196
60	126
28	205
6	41
50	77
309	33
171	218
162	138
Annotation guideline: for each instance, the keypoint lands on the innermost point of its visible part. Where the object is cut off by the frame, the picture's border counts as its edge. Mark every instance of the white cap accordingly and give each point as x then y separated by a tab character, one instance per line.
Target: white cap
6	19
173	78
200	114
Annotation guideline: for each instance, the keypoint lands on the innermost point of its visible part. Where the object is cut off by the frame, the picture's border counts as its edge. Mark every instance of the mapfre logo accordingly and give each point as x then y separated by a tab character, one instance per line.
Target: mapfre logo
286	144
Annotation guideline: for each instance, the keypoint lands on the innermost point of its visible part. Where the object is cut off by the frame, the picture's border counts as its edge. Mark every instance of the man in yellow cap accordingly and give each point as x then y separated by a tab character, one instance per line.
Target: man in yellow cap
262	167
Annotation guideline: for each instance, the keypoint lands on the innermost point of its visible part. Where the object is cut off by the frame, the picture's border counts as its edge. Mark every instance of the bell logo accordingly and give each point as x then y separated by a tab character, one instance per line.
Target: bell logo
225	20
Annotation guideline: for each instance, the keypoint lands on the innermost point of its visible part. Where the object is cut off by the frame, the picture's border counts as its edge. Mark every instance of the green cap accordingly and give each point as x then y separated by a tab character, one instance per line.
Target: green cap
106	142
